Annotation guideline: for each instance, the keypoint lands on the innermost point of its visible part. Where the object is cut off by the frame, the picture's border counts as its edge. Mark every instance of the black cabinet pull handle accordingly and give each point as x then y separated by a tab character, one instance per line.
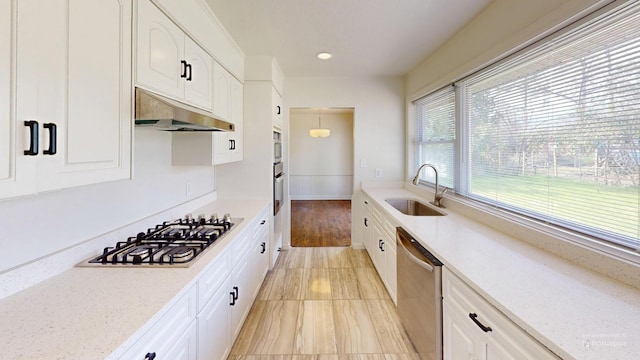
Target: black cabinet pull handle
233	299
278	113
150	356
53	138
263	222
33	144
184	69
190	72
381	245
366	222
264	248
474	317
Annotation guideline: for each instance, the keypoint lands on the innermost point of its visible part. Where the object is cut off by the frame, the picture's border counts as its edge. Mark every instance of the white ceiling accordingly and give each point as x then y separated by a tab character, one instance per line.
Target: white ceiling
366	37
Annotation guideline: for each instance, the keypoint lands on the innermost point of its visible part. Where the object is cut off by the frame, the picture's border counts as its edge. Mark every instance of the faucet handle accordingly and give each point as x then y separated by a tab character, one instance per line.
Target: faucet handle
444	191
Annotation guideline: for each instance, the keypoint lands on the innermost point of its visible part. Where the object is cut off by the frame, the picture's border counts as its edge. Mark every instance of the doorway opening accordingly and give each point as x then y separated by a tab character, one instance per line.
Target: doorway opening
321	176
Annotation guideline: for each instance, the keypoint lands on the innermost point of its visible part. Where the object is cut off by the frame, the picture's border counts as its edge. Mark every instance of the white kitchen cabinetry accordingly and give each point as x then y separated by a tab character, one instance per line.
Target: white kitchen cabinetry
366	224
228	105
170	62
278	121
474	329
382	251
227	290
73	84
173	336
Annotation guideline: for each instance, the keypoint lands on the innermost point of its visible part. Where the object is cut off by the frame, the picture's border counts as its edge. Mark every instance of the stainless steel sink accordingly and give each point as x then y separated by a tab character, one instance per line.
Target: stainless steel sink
414	207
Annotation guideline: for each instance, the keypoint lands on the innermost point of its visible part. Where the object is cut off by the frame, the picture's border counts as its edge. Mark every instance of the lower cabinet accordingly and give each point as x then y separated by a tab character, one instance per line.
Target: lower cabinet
473	329
214	325
382	251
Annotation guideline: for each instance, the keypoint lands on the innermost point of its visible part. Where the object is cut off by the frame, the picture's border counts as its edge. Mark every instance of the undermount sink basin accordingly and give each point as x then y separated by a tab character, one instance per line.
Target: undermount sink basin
413	207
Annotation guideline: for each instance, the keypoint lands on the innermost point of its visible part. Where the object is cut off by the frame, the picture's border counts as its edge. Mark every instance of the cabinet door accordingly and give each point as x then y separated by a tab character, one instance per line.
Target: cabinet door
198	83
80	52
242	281
221	92
236	116
277	116
366	225
261	252
461	341
214	325
17	171
160	51
186	347
377	244
391	268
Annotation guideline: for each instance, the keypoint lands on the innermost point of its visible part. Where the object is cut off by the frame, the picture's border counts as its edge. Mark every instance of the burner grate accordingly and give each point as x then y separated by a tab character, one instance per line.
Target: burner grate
175	243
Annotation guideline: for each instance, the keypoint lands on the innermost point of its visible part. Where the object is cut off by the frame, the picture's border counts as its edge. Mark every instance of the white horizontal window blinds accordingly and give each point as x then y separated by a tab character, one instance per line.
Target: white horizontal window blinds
435	140
555	132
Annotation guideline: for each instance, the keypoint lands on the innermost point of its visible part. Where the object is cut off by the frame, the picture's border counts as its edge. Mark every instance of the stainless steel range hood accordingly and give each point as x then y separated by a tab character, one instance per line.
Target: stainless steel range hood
157	111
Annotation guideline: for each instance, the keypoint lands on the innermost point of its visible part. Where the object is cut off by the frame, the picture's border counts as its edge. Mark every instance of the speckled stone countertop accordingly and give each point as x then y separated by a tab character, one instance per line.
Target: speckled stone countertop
97	313
575	312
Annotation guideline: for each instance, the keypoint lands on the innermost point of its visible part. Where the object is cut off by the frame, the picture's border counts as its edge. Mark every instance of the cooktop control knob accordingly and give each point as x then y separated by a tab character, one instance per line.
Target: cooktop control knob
226	218
214	218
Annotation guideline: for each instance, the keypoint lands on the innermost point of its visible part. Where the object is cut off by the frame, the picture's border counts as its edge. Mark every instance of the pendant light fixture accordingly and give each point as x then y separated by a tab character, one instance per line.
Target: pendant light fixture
319	132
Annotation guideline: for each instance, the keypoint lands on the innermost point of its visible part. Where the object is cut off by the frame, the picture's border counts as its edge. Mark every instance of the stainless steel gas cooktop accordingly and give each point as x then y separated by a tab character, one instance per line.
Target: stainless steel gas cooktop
171	244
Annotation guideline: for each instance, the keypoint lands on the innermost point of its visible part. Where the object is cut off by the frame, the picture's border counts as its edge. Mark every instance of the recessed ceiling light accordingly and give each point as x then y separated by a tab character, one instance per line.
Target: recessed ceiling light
324	56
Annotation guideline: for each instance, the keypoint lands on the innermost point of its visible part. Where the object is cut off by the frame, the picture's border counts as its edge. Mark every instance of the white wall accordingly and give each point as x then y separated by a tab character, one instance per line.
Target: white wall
502	28
36	226
378	123
320	168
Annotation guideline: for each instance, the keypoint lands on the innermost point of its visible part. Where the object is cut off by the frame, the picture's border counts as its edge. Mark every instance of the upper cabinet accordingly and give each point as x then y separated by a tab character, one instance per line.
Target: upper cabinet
169	62
70	118
228	102
277	109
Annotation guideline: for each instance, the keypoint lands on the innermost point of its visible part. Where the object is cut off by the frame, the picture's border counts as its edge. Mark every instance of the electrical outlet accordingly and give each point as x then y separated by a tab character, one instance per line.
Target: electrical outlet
378	172
363	163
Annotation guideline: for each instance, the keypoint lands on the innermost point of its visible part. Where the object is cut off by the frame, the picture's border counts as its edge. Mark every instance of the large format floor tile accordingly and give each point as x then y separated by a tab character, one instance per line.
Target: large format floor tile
323	304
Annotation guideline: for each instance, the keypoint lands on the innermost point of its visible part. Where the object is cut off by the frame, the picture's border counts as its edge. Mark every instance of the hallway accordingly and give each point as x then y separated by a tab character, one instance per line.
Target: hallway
323	304
322	223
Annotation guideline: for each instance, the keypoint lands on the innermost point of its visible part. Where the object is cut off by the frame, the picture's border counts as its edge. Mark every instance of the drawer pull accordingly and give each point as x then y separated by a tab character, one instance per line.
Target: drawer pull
264	247
150	356
474	317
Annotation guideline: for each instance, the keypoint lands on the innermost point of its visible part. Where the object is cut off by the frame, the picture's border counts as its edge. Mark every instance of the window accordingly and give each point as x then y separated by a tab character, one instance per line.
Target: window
554	131
435	138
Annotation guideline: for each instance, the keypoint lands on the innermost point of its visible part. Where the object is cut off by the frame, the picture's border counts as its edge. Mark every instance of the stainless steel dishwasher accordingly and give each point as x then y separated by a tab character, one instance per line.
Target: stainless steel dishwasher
420	295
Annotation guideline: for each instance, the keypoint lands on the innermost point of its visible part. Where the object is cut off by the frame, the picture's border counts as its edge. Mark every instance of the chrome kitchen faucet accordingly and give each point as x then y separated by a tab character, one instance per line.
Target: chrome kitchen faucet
437	197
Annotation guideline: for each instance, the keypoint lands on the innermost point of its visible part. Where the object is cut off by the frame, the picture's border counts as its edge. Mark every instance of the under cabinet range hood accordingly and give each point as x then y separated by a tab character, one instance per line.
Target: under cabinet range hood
160	112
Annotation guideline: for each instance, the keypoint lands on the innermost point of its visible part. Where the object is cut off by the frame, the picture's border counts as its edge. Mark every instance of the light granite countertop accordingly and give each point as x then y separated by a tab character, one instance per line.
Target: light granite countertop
576	312
97	313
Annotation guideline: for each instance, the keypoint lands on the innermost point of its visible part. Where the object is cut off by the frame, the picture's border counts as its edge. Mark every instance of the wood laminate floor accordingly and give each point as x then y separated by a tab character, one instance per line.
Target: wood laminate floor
323	304
320	223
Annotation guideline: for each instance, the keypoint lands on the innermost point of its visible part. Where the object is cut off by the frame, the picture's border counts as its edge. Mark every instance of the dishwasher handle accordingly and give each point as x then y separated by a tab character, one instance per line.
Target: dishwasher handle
414	251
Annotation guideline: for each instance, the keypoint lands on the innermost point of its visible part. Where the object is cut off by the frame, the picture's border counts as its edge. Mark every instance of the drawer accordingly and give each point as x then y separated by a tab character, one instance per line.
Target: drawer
462	300
216	273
